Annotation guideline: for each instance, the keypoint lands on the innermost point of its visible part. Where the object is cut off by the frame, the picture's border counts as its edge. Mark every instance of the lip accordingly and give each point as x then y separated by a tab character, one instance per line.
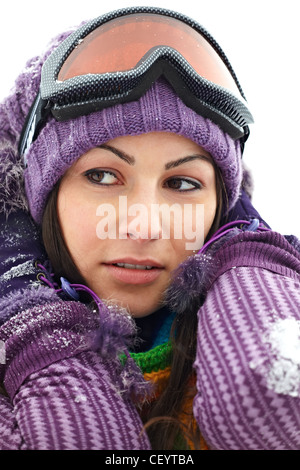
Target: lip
134	276
142	262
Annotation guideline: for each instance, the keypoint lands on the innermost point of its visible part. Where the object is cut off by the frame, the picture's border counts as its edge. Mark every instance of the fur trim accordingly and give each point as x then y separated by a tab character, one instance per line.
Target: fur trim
192	279
117	330
247	182
12	192
115	336
20	300
189	283
13	112
294	241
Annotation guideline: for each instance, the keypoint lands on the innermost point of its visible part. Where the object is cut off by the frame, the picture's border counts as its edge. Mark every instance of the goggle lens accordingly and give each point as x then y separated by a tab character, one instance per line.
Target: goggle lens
115	58
121	44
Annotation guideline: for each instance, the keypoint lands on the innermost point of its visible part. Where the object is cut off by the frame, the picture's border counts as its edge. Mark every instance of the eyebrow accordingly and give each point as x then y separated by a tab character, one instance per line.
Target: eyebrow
119	153
173	164
189	158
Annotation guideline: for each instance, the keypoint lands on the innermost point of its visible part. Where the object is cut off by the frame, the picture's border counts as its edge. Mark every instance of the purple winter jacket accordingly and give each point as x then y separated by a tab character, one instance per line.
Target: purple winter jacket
63	394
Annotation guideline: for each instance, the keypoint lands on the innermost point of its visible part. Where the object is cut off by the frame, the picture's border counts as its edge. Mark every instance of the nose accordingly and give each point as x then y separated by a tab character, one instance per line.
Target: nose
139	218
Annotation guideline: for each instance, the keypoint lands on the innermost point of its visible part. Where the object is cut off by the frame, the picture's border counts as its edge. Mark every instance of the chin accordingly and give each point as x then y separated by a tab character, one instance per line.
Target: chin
138	302
135	309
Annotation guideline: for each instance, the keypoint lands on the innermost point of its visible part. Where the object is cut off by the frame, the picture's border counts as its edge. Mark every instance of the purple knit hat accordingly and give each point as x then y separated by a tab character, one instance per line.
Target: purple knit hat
60	144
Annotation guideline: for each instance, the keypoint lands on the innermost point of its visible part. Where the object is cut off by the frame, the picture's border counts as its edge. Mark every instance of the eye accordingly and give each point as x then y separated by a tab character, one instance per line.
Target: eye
102	177
183	184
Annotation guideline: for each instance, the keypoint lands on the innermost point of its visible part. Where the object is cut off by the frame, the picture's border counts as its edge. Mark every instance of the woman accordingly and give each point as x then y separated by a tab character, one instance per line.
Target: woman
140	327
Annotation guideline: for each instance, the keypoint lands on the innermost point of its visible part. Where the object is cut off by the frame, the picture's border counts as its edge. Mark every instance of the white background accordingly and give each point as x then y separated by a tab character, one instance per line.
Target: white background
261	39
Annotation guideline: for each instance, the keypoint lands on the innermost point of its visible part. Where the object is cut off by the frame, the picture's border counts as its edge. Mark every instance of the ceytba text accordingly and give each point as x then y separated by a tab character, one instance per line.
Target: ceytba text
152	459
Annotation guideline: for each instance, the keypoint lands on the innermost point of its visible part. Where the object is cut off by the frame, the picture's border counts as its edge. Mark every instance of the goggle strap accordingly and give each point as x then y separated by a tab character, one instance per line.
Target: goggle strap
36	117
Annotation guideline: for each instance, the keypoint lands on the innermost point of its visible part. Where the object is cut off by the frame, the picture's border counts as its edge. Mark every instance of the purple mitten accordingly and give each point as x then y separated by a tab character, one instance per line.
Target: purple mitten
65	387
247	363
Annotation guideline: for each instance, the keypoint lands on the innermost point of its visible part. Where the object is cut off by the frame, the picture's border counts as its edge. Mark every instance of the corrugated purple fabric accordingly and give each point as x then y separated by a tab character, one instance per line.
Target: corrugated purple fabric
248	353
63	394
71	405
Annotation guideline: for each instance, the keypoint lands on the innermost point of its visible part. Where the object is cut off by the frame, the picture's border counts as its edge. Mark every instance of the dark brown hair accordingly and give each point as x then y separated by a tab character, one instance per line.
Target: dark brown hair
164	423
163	419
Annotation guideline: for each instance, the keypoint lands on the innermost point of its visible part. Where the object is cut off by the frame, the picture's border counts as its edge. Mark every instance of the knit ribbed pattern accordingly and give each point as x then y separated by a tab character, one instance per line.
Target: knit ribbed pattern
155	359
267	250
155	365
42	335
247	365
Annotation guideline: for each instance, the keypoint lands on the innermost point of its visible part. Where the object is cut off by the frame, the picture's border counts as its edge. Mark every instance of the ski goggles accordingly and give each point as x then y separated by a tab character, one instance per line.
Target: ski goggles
116	58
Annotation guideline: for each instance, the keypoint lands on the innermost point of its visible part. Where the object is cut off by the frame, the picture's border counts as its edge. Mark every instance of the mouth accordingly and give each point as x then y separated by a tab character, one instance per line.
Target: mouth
133	266
134	271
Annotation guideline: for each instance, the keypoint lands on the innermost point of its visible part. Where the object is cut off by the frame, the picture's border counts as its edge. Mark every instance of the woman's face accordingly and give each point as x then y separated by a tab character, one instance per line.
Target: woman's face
132	210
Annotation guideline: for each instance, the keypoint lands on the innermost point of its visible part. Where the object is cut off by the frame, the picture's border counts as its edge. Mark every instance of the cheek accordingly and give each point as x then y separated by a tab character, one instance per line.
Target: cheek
196	223
78	224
